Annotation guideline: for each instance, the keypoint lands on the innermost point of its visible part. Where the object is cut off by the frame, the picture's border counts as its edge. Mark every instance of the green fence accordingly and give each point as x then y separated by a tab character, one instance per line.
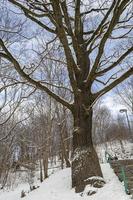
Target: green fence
122	176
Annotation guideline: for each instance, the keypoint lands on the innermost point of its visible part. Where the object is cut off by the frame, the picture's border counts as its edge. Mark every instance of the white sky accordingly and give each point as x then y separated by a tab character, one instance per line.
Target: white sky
109	101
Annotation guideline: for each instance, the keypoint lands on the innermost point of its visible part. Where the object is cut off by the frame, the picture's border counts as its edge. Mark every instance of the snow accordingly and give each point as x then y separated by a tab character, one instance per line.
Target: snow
58	187
95	178
124	151
79	153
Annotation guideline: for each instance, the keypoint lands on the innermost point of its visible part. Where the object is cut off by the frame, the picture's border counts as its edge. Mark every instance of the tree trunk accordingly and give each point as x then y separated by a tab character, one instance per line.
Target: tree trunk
45	163
41	175
62	160
85	161
64	152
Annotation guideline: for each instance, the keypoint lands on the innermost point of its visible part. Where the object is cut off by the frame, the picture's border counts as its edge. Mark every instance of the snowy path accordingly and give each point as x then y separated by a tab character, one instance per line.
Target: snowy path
58	187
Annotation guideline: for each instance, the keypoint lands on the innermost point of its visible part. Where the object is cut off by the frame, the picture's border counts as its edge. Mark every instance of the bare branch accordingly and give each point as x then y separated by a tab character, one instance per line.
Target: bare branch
32	81
115	83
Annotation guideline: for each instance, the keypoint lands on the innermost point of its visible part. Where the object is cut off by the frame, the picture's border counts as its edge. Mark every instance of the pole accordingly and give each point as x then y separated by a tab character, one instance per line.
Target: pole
129	127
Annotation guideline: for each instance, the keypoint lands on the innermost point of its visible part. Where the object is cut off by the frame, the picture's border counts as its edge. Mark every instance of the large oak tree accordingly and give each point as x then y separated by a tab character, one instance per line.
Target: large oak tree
95	37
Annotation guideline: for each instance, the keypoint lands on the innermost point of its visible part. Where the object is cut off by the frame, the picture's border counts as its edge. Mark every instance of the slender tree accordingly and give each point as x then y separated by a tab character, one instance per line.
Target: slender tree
95	38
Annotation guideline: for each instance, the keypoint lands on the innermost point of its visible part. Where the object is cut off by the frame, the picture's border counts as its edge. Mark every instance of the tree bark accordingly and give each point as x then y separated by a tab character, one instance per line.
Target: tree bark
85	163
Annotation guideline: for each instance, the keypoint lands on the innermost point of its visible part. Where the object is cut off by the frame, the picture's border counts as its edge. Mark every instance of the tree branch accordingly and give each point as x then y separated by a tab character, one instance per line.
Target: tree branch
116	15
32	81
115	83
121	58
31	15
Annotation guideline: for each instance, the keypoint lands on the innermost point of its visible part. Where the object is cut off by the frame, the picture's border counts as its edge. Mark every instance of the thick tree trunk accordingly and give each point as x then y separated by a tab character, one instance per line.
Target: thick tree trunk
85	163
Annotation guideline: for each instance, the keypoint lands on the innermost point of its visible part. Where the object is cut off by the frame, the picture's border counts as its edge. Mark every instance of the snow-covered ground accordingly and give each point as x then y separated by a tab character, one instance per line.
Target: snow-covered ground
58	187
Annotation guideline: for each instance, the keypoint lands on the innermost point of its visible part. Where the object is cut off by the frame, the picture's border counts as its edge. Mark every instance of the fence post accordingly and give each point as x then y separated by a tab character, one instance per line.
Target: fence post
124	178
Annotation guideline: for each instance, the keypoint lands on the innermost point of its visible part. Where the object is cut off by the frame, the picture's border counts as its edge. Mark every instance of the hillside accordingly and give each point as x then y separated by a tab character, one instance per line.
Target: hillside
58	187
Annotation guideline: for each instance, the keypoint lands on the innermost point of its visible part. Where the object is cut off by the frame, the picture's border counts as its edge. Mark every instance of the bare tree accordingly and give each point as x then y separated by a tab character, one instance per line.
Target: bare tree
62	124
95	39
101	121
125	92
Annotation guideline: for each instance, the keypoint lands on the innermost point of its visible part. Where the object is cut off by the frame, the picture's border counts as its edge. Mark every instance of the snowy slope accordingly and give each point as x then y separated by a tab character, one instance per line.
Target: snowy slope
58	187
124	151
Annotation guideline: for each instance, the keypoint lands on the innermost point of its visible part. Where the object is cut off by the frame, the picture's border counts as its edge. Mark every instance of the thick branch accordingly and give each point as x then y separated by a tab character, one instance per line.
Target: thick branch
120	59
102	23
71	65
77	19
37	84
115	83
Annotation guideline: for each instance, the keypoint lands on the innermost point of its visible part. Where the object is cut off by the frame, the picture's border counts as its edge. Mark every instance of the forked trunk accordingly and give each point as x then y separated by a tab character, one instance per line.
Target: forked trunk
85	163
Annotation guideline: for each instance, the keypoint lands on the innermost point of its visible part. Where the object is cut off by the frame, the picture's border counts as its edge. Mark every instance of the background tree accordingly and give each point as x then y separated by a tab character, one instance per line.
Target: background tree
125	92
95	40
102	120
